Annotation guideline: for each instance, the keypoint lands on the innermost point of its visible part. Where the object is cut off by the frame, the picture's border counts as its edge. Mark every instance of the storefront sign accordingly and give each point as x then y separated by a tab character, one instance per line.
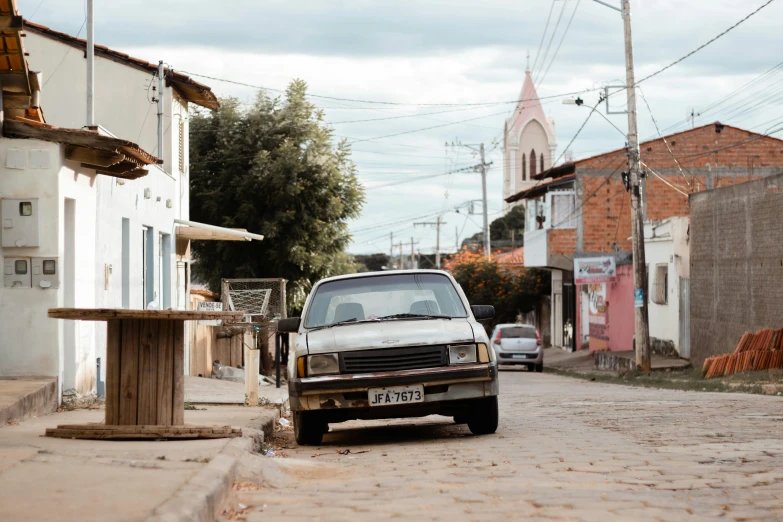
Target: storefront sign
589	270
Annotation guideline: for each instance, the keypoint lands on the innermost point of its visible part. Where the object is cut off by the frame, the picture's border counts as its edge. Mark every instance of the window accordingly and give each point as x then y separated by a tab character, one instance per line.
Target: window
661	285
524	167
25	208
532	163
378	297
542	163
563	210
647	283
518	332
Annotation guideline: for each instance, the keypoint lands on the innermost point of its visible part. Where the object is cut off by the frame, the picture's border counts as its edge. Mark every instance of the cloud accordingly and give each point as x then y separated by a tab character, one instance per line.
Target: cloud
433	51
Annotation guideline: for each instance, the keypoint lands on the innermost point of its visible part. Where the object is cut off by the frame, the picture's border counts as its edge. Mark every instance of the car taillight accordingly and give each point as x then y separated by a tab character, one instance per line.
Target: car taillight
538	339
497	338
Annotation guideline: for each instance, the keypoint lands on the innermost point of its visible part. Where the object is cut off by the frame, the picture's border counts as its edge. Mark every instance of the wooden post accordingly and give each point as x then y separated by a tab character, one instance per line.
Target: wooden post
251	369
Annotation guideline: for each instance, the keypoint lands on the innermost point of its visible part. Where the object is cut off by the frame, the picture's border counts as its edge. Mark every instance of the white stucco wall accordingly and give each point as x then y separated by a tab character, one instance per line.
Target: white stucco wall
29	341
666	243
123	108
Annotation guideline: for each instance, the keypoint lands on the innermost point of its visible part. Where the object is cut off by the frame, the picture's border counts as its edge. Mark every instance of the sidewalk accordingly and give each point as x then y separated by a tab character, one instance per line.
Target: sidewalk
23	397
584	362
51	479
201	390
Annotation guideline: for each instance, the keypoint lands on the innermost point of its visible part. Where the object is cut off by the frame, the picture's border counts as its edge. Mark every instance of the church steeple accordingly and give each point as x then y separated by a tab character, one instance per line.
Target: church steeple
527	68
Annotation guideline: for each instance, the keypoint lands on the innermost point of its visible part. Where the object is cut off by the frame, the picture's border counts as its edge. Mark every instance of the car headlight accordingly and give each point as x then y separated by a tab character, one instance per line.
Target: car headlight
462	353
323	364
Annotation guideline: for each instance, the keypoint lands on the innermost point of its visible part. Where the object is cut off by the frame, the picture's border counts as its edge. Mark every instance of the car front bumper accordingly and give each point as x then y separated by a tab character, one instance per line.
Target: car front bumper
441	385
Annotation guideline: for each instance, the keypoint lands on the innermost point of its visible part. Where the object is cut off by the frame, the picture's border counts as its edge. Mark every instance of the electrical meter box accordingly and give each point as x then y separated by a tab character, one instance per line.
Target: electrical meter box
46	272
17	272
20	222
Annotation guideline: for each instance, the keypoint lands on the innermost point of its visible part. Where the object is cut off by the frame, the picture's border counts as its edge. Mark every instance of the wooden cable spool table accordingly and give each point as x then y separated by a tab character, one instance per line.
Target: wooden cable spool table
145	393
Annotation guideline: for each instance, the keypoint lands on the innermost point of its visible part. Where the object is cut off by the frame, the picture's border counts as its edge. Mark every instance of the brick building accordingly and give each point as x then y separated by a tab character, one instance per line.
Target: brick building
582	209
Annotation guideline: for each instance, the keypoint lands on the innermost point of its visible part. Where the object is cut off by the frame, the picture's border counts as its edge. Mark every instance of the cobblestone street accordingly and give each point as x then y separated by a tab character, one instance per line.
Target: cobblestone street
566	450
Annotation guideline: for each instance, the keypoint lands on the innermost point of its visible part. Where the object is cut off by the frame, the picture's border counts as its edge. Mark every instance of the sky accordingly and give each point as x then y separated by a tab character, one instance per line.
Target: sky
444	73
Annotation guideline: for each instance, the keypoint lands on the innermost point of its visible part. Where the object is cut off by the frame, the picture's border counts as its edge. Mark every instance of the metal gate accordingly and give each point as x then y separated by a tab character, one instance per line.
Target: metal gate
685	317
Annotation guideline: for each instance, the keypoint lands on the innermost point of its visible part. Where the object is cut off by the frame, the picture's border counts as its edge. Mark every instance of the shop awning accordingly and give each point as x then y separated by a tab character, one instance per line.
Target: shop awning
194	231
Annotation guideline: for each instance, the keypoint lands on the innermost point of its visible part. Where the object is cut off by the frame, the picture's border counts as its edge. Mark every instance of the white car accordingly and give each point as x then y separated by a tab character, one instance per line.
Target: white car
518	344
388	345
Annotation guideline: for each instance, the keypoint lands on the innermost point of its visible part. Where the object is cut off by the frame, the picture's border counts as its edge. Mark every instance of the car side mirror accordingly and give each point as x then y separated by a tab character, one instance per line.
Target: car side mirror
290	325
483	312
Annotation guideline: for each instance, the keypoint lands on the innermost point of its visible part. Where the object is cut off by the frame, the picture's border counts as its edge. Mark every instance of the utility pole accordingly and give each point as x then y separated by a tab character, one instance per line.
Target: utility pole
90	64
483	167
160	109
437	225
391	251
412	266
639	262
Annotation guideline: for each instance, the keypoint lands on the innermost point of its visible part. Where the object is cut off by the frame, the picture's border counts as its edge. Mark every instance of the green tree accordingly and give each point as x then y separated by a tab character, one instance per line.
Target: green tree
513	221
272	169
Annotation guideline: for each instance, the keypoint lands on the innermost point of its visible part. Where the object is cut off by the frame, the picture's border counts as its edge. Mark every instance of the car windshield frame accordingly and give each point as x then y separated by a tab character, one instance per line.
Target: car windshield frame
448	299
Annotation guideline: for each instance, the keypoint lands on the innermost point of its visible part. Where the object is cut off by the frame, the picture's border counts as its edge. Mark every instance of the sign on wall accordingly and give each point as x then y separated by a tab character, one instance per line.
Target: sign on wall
599	339
208	306
589	270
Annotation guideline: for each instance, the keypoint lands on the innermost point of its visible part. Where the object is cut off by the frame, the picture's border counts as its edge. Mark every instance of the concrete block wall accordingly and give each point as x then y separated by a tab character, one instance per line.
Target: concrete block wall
736	264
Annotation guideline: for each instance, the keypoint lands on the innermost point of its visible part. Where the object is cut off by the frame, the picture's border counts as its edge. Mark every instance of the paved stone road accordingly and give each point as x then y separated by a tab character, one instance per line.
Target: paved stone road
566	450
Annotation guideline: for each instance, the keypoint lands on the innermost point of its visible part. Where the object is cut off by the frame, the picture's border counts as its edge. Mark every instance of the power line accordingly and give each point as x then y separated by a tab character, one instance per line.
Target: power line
398	104
656	73
557	51
548	45
546	28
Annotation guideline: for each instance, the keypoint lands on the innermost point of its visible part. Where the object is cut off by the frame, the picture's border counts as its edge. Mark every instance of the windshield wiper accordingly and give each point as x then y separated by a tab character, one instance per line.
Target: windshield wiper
415	316
347	321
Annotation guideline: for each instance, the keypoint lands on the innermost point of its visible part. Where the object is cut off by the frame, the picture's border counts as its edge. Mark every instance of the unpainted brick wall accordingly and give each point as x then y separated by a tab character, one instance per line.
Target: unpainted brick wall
736	264
605	204
562	241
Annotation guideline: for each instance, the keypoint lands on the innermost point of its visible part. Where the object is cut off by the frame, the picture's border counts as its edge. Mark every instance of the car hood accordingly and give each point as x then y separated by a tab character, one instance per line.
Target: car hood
389	334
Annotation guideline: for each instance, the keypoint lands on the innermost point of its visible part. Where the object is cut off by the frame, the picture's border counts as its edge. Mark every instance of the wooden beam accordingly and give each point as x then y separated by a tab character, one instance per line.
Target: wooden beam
200	234
11	23
16	101
105	314
100	158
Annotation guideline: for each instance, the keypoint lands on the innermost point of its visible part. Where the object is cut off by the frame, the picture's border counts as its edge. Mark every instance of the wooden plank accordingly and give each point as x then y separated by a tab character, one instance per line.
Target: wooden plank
165	383
104	314
178	408
98	432
113	365
129	371
236	351
149	370
11	23
93	157
200	234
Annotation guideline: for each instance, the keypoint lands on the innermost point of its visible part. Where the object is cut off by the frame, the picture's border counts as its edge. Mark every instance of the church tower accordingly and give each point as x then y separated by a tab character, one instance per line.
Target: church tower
529	141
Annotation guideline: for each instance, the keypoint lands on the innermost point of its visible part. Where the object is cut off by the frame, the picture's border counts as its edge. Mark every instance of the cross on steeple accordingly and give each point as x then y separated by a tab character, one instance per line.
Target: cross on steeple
527	69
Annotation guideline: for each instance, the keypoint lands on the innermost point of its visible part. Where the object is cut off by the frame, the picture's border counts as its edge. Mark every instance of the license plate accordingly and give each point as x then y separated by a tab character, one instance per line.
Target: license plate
395	395
519	356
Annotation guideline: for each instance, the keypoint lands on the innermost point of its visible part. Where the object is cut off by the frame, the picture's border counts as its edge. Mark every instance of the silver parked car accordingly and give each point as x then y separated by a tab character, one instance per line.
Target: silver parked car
387	345
518	344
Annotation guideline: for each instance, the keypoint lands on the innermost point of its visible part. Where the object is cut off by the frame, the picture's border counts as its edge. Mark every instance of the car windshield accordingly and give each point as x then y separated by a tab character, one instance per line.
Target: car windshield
384	297
518	332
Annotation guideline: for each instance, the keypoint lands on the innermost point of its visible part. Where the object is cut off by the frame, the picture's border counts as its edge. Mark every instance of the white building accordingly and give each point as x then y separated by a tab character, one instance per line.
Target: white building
667	251
529	142
107	211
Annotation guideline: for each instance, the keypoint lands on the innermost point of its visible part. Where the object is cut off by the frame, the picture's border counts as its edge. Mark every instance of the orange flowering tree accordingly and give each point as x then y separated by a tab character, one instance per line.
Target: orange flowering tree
510	290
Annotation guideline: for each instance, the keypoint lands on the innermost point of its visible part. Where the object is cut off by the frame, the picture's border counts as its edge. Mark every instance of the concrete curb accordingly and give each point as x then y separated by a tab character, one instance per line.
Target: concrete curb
201	498
40	402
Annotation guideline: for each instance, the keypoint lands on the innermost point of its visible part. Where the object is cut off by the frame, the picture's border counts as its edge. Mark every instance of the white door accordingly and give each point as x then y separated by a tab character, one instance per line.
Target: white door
557	314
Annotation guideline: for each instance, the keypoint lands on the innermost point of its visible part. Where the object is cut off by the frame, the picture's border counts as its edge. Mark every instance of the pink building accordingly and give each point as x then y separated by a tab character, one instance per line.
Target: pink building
605	313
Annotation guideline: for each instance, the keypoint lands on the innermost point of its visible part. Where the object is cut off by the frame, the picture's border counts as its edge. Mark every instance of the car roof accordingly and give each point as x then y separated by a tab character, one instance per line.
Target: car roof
382	273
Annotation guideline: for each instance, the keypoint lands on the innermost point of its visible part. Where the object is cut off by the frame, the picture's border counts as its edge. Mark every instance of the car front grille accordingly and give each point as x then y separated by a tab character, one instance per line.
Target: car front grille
393	359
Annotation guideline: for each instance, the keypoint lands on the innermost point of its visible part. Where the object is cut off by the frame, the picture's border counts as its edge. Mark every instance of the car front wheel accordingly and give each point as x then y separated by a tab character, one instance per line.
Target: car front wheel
484	419
308	428
539	368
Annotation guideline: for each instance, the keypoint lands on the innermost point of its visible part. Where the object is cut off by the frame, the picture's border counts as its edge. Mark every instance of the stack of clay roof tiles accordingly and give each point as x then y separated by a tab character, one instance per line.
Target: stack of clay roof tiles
760	351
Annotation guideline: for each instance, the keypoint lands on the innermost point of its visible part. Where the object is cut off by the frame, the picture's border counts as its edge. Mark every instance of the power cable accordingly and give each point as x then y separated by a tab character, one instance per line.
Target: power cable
65	55
557	51
549	45
665	141
543	36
